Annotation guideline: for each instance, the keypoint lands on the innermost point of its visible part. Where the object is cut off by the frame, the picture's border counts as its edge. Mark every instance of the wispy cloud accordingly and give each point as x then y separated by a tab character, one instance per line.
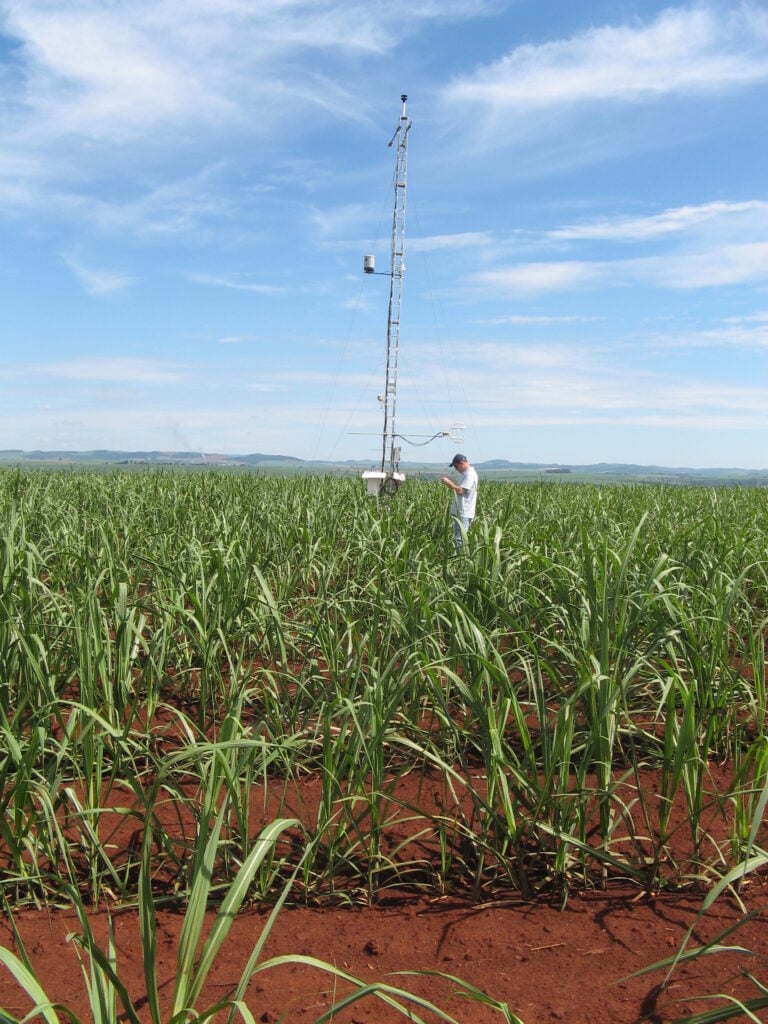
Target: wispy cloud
116	72
235	282
584	384
460	240
101	101
334	221
760	317
714	267
119	369
536	278
537	320
610	90
711	245
97	280
700	49
674	221
425	243
752	334
710	268
233	138
177	206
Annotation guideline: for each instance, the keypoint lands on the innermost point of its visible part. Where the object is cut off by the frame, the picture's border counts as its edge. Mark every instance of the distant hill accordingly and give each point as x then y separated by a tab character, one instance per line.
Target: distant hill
492	469
505	464
627	470
103	456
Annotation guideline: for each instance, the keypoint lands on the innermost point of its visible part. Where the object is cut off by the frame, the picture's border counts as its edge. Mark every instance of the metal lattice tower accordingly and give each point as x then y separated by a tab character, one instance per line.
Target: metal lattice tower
385	481
390	451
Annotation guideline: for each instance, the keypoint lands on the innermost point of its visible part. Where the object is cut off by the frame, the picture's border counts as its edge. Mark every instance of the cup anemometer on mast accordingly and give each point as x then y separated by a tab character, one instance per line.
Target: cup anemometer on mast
385	481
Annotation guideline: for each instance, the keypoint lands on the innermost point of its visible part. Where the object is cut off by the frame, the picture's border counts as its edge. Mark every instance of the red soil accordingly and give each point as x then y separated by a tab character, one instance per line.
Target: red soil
546	963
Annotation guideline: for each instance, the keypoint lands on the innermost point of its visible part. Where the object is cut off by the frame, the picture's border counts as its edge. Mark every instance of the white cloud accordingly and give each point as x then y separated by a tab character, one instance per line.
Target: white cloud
127	125
360	302
237	283
533	278
710	268
695	50
97	280
116	368
751	334
117	72
586	384
92	71
101	402
180	205
460	240
671	222
760	317
330	222
713	267
425	243
537	320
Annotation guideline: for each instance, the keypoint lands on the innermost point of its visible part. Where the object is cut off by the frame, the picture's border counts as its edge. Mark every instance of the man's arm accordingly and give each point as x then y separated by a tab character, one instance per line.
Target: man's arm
449	483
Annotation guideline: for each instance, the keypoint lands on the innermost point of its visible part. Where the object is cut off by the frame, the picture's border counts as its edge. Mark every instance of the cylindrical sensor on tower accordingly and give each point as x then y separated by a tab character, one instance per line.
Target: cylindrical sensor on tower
369	264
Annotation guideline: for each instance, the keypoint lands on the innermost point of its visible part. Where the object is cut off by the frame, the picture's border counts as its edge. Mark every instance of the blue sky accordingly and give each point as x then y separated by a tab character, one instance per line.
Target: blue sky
188	187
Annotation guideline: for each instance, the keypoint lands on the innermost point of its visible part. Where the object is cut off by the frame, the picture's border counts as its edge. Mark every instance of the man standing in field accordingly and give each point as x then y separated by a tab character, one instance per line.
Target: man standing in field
465	497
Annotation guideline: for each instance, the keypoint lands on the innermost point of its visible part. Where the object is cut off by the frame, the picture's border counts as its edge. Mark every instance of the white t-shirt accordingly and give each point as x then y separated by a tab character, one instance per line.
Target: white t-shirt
464	504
